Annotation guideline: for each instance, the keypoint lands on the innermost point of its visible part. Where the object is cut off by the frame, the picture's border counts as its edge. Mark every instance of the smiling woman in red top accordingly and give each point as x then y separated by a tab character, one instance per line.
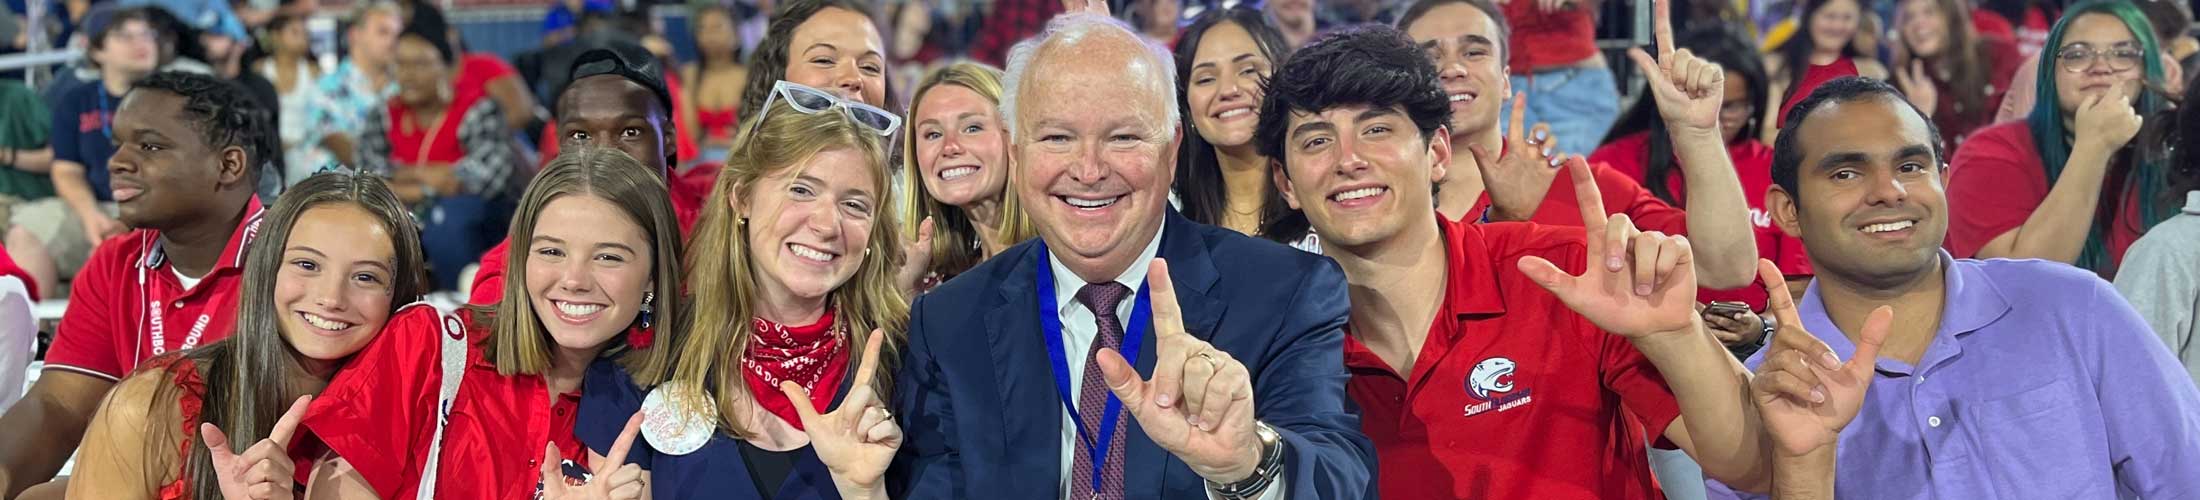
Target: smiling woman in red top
336	275
601	262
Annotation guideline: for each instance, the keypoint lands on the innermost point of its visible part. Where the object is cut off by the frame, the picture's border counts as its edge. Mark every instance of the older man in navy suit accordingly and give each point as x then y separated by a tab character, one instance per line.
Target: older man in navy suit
1016	383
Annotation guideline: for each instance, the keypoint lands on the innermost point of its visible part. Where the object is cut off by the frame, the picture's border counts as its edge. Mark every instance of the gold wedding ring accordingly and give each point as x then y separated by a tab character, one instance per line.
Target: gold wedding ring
1208	355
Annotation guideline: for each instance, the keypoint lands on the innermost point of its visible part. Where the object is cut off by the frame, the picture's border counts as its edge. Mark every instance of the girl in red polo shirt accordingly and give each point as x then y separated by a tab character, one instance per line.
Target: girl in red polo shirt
2065	184
1823	48
347	257
601	265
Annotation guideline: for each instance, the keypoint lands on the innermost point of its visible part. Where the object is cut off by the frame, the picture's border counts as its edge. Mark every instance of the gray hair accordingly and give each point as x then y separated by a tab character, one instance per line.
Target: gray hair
1074	27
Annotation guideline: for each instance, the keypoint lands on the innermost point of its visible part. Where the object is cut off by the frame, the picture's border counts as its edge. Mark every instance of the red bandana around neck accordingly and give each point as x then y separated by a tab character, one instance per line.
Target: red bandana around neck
813	356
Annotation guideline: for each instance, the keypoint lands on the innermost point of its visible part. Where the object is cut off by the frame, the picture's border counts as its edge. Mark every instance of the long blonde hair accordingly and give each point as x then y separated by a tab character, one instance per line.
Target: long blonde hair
518	343
953	234
721	279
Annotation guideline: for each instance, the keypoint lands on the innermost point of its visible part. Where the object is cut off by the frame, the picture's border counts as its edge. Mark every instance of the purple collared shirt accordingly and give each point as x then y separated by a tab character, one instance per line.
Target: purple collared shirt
2041	383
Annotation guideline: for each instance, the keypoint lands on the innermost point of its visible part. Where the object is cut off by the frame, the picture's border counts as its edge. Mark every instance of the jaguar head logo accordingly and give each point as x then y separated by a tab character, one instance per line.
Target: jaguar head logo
1492	375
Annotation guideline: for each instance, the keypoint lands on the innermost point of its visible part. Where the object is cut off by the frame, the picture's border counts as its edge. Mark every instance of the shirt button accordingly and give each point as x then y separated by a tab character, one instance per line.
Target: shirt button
179	304
1933	421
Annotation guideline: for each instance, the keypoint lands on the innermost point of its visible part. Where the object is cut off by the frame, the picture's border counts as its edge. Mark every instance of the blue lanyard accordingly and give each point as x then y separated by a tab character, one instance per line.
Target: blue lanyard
1050	318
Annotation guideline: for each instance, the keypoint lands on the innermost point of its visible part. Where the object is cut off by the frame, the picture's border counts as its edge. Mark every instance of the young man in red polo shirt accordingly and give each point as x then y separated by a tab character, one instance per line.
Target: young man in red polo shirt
188	149
1473	382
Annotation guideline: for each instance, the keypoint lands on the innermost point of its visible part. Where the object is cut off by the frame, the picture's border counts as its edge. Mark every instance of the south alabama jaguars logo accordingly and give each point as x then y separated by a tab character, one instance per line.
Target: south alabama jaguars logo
1491	381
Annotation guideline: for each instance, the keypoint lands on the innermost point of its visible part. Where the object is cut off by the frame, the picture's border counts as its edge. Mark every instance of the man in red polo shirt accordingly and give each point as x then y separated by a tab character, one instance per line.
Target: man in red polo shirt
1475	382
617	99
187	153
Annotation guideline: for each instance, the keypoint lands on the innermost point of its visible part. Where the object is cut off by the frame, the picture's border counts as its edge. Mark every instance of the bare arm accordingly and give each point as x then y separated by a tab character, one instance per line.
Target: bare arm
1807	477
37	161
74	188
334	479
340	144
2057	229
119	451
513	98
1718	426
1718	213
59	406
1689	92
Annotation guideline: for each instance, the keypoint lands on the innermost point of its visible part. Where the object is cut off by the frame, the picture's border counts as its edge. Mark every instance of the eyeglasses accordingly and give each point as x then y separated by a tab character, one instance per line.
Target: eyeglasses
2077	58
810	101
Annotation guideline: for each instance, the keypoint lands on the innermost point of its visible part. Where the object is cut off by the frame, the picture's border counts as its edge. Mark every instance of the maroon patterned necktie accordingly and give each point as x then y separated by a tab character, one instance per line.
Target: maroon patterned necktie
1092	397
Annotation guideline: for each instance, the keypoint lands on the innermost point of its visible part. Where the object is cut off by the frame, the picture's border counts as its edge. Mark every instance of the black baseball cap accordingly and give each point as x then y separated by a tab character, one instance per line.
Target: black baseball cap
625	59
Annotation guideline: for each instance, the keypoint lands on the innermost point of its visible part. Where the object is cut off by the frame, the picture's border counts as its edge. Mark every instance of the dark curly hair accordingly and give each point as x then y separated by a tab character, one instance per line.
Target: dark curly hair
223	113
1373	65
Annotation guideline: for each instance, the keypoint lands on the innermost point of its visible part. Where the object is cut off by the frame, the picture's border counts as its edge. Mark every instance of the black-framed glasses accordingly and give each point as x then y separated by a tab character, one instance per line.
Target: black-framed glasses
810	101
2077	58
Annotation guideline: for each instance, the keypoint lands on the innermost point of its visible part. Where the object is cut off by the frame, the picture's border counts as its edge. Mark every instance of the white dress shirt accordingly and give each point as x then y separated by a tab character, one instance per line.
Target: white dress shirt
1079	329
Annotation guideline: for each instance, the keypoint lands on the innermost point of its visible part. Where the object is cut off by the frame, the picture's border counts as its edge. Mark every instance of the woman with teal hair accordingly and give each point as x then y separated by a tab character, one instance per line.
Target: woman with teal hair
2067	183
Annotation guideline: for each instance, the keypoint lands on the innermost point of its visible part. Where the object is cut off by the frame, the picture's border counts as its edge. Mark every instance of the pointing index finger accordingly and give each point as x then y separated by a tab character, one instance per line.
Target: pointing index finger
287	426
1662	28
1589	199
1168	319
625	443
867	370
1777	301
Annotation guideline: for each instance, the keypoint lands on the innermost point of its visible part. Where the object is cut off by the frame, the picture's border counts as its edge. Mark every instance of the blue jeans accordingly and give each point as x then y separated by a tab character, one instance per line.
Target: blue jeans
1580	105
458	228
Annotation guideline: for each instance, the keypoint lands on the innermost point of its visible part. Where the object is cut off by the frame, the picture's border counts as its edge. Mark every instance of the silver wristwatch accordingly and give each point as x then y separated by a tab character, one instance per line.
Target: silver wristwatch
1271	465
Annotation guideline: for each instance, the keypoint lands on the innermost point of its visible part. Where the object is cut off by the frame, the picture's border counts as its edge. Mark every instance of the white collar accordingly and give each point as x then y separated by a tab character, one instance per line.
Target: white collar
2192	202
1067	283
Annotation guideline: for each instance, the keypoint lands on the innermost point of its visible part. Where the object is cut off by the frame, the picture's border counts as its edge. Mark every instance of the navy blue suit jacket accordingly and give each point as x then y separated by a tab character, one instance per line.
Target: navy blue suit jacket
977	400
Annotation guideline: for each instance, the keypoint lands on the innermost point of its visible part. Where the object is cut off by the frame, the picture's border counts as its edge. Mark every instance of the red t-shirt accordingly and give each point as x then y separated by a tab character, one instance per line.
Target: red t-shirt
475	71
9	268
1559	38
1995	182
1753	166
689	190
1513	395
127	304
440	136
1817	74
381	417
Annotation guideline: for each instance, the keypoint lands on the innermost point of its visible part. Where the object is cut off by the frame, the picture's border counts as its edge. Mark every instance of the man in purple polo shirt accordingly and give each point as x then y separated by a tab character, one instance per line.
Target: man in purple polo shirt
1999	378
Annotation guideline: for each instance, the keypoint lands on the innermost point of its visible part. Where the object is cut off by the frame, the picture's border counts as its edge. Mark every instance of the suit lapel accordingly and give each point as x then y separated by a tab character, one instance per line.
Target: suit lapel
1033	411
1193	272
